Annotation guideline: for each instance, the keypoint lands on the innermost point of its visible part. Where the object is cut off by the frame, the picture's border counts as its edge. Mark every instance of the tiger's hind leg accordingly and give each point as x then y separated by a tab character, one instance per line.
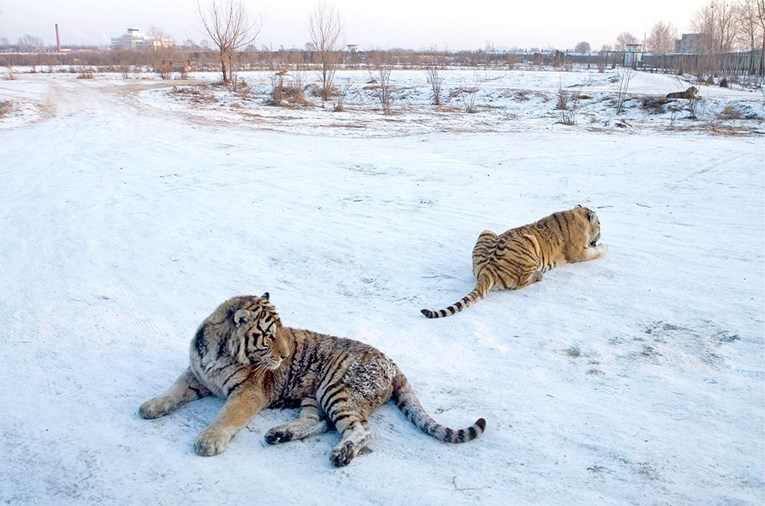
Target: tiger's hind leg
186	388
528	278
311	422
355	433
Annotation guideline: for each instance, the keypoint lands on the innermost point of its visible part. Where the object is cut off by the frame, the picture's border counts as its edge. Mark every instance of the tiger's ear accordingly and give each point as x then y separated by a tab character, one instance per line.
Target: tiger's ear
241	316
577	206
591	215
265	296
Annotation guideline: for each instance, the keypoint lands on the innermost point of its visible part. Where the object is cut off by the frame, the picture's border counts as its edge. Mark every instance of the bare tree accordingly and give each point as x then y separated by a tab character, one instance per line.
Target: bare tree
433	65
751	22
625	76
662	38
325	29
716	22
382	66
761	21
623	39
164	55
29	43
582	47
229	27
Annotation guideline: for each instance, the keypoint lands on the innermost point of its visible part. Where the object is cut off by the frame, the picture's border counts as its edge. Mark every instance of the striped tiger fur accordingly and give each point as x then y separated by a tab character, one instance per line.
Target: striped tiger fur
520	255
241	352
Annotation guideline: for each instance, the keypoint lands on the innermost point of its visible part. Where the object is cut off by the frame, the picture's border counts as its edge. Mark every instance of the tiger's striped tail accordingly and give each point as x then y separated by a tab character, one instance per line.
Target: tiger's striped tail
483	285
410	406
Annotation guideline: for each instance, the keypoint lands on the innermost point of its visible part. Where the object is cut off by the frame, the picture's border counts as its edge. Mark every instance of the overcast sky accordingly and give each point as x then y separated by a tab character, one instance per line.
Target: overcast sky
382	24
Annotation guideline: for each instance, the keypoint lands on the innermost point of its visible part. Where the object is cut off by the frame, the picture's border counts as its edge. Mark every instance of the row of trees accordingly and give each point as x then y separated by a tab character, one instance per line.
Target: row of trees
233	33
229	27
729	26
726	26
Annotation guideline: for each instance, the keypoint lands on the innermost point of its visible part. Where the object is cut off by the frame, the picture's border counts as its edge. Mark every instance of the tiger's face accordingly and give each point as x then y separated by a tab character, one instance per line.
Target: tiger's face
258	339
591	224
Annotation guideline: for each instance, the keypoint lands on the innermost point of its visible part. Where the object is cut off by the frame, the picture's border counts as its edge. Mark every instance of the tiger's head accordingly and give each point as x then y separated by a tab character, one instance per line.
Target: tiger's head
590	223
257	337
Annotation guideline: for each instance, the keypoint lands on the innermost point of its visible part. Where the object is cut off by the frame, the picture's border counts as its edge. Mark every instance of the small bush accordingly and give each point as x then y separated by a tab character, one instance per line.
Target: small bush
5	108
467	95
654	105
287	92
85	73
731	112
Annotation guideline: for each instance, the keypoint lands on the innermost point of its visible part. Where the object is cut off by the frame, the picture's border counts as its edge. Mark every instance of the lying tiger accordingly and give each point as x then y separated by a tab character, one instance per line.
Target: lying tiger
520	255
689	94
241	352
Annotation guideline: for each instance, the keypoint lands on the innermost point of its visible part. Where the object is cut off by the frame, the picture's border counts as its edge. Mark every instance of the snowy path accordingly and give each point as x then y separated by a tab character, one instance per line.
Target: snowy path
637	378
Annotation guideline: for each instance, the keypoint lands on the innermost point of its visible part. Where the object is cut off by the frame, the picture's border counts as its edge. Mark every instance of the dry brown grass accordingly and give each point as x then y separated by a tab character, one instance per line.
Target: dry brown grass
6	106
196	95
731	112
653	104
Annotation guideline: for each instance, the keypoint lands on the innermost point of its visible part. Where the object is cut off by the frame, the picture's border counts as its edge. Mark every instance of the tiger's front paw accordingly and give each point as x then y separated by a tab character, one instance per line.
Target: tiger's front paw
211	442
157	407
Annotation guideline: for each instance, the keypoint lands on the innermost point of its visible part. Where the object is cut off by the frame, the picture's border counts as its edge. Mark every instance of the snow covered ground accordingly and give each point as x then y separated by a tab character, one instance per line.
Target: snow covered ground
129	213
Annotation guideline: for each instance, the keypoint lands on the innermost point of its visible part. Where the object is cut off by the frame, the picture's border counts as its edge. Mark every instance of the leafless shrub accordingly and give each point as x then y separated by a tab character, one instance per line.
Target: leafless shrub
380	72
512	61
339	102
563	96
467	96
567	104
163	67
673	113
124	70
296	88
433	67
277	87
6	106
522	95
85	73
731	112
693	106
195	95
184	69
625	75
287	89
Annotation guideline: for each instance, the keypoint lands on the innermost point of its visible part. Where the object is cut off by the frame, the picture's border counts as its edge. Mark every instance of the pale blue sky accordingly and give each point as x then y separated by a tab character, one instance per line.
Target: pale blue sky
384	24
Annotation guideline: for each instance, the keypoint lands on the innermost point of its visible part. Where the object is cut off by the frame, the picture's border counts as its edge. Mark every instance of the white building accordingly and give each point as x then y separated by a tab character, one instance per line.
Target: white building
135	39
633	55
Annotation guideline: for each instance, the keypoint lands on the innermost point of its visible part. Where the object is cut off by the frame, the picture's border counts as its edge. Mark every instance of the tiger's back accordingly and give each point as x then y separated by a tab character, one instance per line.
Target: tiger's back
519	256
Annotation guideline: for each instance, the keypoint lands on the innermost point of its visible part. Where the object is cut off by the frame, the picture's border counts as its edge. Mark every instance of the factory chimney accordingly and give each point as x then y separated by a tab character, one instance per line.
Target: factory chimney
58	39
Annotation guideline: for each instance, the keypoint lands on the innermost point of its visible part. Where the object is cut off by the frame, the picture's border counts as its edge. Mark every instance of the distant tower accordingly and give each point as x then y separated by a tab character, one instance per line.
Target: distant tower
58	39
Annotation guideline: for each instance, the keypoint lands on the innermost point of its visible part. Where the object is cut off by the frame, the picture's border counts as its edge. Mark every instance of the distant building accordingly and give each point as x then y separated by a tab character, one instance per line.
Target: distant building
135	39
690	43
633	55
353	48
